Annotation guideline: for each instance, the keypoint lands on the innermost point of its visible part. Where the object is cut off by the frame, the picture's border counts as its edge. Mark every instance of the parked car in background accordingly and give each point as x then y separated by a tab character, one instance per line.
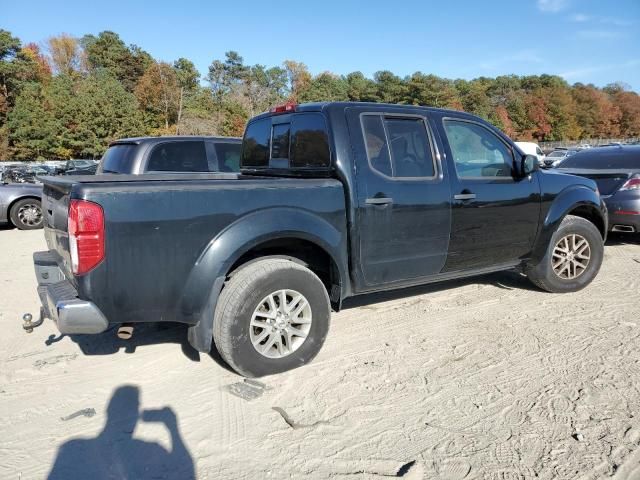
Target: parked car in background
20	205
531	148
556	157
334	200
172	154
616	170
80	167
18	174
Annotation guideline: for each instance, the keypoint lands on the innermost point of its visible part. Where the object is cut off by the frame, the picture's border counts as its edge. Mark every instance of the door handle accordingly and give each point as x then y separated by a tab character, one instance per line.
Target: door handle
379	201
464	196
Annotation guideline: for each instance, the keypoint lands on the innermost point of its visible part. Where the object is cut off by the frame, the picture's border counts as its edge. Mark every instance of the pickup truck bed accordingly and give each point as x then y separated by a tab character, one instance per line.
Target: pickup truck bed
164	227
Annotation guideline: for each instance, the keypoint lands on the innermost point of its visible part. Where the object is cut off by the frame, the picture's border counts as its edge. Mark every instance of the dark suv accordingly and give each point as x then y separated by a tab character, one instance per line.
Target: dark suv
172	154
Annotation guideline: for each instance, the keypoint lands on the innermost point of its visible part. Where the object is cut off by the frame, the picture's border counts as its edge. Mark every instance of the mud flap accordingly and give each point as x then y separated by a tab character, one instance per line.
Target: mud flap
200	335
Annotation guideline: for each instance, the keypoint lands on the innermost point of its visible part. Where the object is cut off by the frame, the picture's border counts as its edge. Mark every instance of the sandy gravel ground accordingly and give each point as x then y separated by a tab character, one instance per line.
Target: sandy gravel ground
480	379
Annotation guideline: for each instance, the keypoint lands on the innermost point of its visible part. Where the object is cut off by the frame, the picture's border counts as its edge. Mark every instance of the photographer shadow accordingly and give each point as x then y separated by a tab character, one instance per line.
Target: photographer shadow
115	453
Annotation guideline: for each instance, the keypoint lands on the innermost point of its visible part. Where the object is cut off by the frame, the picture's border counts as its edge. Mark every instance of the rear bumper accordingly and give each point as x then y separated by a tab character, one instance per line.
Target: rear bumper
621	214
60	300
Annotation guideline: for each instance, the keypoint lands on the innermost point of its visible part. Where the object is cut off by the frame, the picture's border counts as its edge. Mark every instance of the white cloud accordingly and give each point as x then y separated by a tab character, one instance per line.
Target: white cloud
522	56
583	18
581	72
600	34
579	17
552	6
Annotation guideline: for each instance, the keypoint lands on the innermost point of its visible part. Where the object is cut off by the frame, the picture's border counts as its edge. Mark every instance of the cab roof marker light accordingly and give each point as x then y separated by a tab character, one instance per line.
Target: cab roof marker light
285	108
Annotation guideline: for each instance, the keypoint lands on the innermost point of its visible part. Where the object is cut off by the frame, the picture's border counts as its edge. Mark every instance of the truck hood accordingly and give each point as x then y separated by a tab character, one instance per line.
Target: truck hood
555	180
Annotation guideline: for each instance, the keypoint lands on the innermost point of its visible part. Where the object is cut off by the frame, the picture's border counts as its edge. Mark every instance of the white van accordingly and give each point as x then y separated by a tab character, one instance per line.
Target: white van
531	148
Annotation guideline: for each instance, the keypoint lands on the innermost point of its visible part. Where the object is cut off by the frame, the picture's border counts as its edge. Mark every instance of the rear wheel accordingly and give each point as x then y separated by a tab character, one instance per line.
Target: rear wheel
26	214
573	257
272	316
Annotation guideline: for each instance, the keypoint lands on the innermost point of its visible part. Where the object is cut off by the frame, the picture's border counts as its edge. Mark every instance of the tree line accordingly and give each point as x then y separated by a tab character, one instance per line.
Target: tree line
71	96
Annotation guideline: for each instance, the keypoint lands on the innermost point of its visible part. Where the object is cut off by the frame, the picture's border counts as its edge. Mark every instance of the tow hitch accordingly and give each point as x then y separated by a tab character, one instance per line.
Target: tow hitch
27	321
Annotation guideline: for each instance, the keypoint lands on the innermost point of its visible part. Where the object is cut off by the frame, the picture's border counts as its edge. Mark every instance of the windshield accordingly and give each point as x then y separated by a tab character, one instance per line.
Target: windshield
118	159
610	158
557	154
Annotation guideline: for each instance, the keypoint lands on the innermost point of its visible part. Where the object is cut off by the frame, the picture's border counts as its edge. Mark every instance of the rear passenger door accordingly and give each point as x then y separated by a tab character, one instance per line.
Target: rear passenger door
403	194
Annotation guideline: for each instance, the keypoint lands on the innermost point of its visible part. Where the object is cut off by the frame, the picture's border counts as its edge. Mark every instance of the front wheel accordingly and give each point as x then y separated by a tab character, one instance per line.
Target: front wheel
272	316
26	214
573	257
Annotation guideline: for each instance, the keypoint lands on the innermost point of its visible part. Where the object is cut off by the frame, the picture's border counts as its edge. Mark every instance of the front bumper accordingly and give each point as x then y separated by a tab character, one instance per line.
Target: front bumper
60	301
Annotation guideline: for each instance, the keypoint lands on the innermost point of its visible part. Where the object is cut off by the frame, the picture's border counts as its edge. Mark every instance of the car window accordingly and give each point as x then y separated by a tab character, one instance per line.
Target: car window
183	156
302	142
118	159
309	141
539	152
398	147
255	145
477	152
228	156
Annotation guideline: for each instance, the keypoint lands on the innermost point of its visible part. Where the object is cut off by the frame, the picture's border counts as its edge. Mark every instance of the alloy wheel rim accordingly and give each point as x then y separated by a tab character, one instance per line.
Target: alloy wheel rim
280	323
571	256
30	214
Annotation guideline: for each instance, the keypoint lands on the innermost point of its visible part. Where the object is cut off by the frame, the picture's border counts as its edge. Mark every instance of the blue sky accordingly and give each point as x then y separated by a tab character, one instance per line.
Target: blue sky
587	41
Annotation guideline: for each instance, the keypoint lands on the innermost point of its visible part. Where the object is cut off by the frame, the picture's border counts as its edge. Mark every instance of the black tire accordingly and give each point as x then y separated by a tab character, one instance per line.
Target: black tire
19	217
242	294
543	275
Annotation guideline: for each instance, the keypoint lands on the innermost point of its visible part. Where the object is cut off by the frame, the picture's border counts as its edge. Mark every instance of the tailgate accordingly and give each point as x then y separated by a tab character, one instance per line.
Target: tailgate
55	205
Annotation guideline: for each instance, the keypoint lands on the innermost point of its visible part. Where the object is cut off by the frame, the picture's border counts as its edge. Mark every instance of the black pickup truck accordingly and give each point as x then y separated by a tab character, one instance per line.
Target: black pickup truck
333	200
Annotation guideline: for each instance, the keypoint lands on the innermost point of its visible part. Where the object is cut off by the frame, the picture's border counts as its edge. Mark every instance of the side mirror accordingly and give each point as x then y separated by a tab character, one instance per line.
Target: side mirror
528	165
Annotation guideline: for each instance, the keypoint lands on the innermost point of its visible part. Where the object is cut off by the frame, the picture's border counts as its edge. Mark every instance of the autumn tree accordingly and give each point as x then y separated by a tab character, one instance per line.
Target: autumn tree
65	54
431	90
360	88
325	87
158	93
299	78
108	52
391	88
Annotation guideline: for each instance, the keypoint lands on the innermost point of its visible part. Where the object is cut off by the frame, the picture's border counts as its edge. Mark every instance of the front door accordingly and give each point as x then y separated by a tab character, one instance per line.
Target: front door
495	211
403	215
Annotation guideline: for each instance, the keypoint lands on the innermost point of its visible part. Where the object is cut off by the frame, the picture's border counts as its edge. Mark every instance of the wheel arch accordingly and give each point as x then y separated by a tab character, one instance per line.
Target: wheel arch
578	200
299	235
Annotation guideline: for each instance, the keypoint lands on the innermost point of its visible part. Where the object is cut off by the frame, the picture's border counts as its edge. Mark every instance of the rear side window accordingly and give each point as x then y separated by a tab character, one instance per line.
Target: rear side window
300	143
398	147
256	143
228	156
184	156
118	159
309	142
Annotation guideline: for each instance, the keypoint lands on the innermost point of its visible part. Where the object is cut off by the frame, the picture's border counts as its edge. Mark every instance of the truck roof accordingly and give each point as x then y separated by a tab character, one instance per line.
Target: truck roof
152	140
325	106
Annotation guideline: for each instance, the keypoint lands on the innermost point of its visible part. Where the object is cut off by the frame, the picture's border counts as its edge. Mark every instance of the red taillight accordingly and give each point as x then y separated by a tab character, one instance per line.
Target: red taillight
631	184
86	235
286	108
